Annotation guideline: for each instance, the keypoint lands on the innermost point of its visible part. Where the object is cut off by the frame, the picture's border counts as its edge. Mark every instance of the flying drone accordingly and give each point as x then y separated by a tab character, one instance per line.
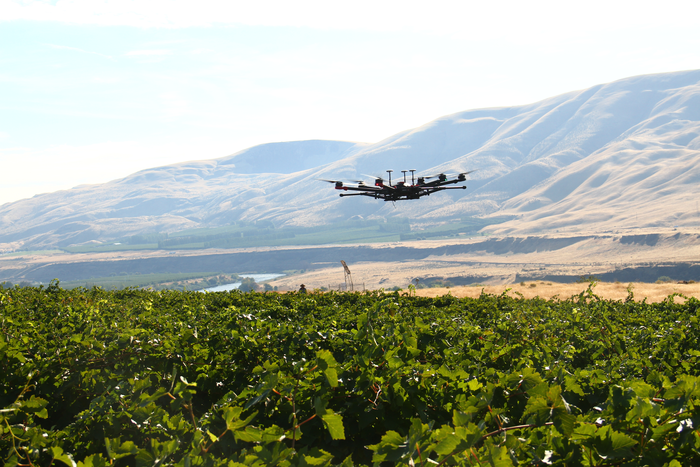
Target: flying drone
401	190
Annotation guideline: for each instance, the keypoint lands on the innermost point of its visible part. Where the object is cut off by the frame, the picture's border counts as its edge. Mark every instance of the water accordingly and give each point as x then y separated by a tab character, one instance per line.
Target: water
235	285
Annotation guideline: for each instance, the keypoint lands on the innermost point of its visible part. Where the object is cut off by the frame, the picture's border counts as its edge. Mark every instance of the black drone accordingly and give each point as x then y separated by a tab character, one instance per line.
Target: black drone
401	190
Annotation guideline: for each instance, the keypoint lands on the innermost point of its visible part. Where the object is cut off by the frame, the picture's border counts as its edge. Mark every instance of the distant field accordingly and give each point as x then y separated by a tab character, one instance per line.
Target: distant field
265	234
32	252
653	293
176	280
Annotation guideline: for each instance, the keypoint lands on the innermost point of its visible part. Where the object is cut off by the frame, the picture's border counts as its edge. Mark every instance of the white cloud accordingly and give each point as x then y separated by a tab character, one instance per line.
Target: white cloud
174	105
513	19
148	52
76	49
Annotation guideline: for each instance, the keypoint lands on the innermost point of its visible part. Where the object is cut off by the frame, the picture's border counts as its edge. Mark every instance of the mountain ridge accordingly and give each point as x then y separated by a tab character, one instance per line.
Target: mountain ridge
597	157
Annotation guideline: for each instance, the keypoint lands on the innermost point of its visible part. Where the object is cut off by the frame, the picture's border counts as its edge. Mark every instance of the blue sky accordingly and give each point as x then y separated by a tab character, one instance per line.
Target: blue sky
95	90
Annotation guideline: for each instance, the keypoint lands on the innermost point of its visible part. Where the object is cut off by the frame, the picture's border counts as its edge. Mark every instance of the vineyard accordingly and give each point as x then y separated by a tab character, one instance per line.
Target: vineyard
90	378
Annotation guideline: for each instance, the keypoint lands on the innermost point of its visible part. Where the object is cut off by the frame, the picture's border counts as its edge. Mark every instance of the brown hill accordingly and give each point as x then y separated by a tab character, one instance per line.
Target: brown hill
620	155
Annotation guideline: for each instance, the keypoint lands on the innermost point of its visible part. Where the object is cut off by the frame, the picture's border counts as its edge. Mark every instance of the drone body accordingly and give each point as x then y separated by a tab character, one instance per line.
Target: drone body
401	190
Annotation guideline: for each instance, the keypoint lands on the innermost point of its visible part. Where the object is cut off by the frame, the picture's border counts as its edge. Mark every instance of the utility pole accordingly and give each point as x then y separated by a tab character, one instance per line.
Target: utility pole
348	277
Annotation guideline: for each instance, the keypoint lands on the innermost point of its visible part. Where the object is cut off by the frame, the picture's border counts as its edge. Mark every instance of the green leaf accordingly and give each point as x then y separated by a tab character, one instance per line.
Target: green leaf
460	418
540	410
331	376
95	460
59	455
564	422
525	381
497	456
315	457
584	431
35	405
232	417
613	444
448	444
474	385
250	434
391	448
332	421
145	459
116	449
325	359
145	399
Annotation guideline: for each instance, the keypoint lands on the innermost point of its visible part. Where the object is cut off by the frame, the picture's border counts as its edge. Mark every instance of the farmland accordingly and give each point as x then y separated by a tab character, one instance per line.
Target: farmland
137	377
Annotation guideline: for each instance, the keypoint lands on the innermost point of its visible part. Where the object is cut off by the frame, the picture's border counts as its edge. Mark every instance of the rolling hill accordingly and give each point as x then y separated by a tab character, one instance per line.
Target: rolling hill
619	155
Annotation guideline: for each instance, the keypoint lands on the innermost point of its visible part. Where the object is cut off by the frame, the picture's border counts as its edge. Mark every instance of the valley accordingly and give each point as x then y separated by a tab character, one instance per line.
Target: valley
596	182
632	256
613	157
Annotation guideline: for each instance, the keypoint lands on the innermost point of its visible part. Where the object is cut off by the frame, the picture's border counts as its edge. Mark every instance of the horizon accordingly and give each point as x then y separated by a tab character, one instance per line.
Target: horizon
92	95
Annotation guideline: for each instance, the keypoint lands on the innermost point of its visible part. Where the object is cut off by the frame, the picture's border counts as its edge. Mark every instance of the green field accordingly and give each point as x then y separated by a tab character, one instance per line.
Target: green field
109	247
264	233
33	252
153	280
132	377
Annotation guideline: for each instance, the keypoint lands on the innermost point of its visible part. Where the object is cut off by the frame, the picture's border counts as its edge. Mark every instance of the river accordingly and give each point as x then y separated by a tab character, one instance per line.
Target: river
235	285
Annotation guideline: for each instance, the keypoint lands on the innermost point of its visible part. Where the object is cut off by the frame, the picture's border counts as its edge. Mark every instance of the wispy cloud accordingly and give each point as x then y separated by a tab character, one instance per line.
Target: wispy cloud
546	18
148	52
76	49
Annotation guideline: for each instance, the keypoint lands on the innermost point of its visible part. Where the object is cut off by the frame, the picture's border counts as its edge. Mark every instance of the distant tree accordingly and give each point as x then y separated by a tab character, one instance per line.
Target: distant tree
591	279
248	285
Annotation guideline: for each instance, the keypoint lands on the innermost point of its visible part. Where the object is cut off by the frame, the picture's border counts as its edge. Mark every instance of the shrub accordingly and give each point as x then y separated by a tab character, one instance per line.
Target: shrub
248	284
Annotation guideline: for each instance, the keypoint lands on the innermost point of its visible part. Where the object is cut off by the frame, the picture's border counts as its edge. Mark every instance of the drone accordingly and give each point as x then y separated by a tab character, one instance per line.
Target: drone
401	190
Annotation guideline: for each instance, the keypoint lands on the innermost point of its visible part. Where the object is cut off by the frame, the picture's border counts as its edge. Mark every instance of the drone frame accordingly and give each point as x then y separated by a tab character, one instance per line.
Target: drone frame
401	190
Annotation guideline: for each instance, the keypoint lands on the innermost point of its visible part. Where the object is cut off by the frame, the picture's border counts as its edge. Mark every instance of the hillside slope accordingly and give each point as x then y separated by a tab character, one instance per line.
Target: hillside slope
619	155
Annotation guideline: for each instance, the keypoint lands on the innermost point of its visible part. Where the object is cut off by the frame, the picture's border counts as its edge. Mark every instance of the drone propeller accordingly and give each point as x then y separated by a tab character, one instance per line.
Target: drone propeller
434	176
450	174
341	181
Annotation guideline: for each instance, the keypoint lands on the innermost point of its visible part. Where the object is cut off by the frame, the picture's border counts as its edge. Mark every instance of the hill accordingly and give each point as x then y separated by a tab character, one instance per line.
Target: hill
617	155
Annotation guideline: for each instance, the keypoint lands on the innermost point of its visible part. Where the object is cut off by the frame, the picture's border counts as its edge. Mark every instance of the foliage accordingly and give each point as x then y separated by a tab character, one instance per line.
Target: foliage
590	279
248	284
90	377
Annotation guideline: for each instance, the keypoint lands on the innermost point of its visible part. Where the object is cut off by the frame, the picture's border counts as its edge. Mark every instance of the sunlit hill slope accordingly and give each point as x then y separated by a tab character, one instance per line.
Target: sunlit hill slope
618	155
